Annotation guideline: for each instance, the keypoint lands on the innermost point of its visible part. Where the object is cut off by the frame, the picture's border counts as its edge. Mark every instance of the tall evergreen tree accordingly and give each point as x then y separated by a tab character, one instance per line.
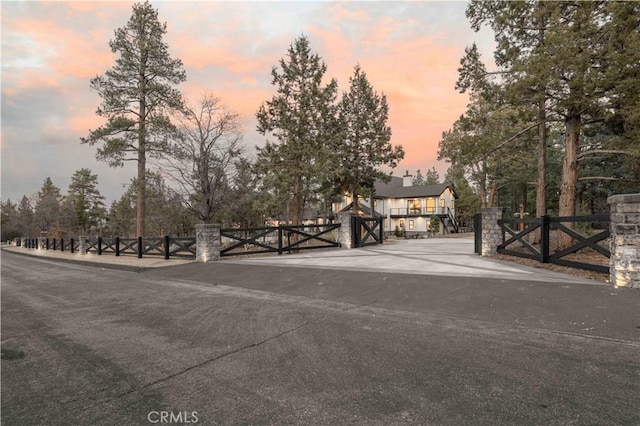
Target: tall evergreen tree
520	29
9	220
245	207
25	221
137	93
301	118
365	139
418	179
47	208
86	201
432	177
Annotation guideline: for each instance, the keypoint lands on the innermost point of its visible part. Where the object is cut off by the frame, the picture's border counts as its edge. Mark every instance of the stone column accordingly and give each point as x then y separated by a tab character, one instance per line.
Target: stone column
23	242
207	242
82	245
491	233
41	243
624	267
344	232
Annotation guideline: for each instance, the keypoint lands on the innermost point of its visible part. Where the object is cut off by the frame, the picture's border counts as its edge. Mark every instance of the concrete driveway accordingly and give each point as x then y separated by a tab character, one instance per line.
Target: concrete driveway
433	256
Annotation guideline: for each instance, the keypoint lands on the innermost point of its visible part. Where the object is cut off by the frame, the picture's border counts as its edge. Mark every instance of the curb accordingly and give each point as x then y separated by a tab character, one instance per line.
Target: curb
89	263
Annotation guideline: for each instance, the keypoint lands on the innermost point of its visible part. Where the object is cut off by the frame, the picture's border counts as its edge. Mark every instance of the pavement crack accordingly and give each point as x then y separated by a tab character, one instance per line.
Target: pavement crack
217	358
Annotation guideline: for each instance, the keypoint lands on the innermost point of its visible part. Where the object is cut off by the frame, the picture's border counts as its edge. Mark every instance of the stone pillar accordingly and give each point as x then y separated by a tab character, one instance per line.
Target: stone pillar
207	242
23	242
41	243
491	233
344	232
624	267
82	245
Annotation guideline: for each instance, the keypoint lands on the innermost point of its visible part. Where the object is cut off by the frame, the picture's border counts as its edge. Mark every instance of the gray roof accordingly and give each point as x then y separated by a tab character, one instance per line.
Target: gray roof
364	209
394	189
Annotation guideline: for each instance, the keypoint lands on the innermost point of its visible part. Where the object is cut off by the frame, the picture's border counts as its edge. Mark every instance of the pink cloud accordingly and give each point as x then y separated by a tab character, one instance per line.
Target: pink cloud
339	12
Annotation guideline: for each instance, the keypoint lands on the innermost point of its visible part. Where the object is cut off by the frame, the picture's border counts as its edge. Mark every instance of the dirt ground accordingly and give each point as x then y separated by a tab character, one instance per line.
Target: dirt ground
591	275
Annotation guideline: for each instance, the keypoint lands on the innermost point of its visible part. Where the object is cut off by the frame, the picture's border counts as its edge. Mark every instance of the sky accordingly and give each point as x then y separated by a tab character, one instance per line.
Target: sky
410	51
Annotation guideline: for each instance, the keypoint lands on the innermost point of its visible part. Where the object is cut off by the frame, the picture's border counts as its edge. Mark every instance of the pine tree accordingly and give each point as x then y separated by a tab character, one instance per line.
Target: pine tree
47	208
433	177
165	211
418	179
9	220
136	94
25	220
84	198
301	118
365	142
245	208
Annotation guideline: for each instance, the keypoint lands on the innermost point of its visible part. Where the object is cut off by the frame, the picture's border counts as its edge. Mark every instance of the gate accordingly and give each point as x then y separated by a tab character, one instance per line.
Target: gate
277	239
516	243
366	231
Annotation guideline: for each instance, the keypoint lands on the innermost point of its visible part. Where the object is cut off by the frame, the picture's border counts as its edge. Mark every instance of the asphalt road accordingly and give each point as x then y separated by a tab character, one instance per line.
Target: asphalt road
251	344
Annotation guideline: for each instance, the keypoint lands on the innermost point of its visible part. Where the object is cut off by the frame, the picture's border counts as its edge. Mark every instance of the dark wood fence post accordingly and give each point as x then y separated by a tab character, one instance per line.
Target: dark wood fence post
355	231
166	247
380	222
72	246
117	246
46	244
61	244
544	241
99	245
477	232
139	247
279	239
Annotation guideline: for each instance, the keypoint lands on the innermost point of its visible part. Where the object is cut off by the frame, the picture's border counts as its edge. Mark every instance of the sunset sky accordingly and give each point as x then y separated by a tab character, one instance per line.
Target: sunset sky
50	50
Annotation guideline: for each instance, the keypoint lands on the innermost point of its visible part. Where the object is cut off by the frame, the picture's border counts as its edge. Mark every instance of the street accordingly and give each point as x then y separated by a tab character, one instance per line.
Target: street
232	343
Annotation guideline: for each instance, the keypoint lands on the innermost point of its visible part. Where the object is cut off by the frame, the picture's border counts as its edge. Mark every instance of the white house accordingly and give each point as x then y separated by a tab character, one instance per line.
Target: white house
408	207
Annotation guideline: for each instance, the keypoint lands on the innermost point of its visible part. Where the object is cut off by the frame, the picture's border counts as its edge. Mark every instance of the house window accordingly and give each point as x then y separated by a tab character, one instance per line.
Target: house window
442	204
375	203
402	223
414	206
411	225
431	205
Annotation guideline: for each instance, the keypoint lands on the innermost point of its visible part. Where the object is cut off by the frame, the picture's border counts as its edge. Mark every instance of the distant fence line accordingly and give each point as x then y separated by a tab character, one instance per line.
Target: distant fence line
166	246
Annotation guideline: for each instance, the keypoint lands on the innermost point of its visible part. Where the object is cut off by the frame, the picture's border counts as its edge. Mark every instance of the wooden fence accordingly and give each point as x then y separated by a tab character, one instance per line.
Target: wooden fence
519	239
154	246
277	239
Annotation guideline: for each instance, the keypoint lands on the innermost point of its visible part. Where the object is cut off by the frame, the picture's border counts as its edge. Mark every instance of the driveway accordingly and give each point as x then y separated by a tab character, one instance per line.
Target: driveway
447	257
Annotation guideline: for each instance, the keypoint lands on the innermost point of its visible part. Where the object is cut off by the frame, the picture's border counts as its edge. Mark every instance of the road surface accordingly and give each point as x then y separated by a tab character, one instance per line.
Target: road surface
251	344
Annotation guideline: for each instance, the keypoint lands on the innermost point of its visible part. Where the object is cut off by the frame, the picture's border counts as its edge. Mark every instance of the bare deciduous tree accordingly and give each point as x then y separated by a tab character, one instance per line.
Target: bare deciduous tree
201	158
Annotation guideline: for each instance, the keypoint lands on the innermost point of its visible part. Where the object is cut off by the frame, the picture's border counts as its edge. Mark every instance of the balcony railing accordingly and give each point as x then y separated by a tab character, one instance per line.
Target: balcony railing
424	211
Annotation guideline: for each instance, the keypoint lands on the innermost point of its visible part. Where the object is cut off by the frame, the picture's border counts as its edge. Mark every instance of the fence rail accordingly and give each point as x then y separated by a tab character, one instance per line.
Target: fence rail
236	241
166	246
276	239
519	239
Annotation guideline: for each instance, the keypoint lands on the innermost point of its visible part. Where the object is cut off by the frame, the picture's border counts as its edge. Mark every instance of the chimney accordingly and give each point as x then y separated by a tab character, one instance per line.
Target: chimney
407	179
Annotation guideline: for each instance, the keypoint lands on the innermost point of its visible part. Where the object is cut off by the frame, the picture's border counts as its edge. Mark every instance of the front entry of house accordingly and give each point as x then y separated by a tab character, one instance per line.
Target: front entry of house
366	231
